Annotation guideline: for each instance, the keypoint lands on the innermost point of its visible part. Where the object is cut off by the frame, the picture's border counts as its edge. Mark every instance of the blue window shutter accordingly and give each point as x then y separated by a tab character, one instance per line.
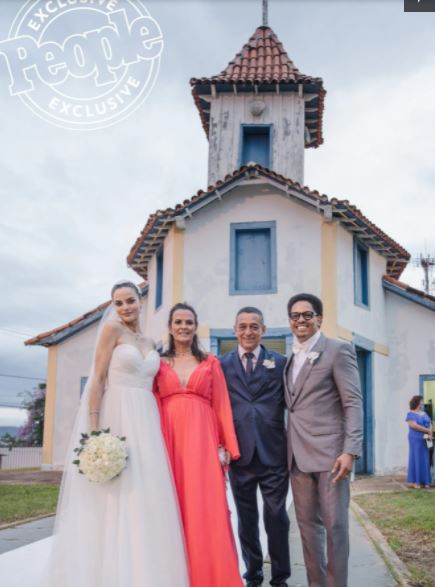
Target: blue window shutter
253	258
255	142
159	278
253	270
361	274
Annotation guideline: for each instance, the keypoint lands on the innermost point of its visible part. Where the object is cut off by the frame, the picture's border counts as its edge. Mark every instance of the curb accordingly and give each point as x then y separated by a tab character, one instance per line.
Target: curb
397	567
25	521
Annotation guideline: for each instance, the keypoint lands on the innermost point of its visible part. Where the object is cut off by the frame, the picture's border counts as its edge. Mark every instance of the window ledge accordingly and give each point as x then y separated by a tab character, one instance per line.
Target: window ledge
362	305
248	292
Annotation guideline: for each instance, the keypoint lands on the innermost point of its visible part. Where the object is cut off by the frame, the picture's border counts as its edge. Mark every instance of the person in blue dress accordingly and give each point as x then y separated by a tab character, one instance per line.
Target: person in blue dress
419	425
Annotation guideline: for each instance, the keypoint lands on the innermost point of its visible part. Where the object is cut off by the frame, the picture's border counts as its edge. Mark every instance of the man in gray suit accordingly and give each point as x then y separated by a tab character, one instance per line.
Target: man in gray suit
322	392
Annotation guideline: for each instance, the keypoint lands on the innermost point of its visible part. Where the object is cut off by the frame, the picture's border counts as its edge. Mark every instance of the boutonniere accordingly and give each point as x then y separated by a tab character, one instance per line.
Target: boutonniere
313	356
269	363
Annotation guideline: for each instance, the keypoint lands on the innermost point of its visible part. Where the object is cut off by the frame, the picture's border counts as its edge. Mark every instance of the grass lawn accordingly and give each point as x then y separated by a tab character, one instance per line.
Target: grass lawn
18	502
407	520
20	470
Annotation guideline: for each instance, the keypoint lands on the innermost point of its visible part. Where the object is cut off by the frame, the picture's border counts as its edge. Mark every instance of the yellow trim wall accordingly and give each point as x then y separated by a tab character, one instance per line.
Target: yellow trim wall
50	407
381	349
177	290
329	279
330	325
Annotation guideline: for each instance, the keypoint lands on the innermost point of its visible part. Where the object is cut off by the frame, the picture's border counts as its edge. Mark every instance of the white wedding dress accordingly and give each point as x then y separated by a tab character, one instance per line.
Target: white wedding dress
125	533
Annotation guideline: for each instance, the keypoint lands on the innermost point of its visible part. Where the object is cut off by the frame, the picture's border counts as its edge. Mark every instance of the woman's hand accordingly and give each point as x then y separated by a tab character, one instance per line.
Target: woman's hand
224	456
416	426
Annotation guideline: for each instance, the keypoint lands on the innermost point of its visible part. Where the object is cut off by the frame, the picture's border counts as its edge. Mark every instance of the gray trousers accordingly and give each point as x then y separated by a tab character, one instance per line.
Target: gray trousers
322	513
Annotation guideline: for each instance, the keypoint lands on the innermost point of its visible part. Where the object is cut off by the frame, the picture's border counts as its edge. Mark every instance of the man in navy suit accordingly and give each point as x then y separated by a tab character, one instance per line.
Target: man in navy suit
254	378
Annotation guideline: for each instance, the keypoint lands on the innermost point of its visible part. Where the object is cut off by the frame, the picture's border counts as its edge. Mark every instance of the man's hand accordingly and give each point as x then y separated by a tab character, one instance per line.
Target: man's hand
342	466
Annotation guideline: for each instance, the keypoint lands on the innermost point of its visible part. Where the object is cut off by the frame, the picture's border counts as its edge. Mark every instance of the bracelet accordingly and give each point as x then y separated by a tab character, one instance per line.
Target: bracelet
94	412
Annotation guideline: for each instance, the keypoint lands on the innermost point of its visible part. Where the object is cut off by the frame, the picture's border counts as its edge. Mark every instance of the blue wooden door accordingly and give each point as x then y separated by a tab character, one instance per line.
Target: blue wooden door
365	463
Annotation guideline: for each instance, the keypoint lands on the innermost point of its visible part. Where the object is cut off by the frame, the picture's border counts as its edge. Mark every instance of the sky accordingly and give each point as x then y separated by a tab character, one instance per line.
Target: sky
72	203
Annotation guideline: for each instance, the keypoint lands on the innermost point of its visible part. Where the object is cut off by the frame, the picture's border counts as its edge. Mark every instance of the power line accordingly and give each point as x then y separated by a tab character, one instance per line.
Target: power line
21	377
16	332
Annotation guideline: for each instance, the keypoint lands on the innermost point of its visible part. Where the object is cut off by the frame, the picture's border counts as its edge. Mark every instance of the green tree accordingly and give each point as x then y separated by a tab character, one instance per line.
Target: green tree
9	441
32	432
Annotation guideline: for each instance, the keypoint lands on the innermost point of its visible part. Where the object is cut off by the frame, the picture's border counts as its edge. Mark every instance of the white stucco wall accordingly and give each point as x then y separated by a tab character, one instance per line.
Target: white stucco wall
207	255
74	357
367	322
286	112
411	339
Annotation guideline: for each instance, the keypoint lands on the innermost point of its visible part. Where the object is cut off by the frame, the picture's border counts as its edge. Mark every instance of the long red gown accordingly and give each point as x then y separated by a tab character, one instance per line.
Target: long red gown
196	420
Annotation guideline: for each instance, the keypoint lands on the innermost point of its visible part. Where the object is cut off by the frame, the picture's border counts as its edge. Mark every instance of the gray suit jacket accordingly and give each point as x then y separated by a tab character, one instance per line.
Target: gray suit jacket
324	407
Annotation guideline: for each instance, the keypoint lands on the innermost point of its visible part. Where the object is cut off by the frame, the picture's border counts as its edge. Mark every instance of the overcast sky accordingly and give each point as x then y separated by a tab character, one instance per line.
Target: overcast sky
73	203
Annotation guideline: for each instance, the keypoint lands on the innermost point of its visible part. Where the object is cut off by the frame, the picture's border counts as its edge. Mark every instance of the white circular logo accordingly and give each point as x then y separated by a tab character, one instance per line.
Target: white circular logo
83	64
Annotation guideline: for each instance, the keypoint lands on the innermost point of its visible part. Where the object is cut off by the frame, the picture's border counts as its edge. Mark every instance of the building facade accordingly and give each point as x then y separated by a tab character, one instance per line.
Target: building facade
255	237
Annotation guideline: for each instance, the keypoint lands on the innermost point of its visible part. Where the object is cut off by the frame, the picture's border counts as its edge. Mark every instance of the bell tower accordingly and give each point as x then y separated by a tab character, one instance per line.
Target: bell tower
260	109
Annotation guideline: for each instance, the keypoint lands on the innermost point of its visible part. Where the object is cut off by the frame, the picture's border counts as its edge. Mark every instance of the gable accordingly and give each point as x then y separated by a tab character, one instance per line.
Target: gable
341	211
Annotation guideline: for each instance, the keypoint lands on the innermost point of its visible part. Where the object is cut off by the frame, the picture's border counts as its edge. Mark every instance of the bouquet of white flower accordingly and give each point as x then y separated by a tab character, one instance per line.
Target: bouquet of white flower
101	455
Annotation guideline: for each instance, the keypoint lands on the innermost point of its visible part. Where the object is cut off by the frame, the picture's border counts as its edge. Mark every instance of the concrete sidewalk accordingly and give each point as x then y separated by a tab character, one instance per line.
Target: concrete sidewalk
24	534
366	565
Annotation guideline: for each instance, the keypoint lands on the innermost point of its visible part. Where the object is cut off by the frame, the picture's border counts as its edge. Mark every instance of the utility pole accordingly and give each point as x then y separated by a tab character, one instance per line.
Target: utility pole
427	263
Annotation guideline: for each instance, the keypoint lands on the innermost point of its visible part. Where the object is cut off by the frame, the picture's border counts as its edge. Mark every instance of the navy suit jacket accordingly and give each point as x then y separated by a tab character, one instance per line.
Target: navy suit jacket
258	407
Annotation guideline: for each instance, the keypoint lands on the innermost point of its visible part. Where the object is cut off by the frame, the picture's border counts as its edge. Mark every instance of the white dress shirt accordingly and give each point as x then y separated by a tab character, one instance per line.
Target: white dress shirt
242	355
301	351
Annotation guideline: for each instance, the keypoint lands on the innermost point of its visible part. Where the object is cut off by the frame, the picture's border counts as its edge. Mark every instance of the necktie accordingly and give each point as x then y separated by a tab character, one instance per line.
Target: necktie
249	364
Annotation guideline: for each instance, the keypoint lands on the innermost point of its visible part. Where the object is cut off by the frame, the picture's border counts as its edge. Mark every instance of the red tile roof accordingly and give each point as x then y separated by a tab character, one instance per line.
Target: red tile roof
409	289
44	338
56	335
353	220
261	65
262	59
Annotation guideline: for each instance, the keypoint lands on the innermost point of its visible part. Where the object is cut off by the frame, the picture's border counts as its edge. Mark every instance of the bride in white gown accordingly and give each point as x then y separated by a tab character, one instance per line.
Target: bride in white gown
127	532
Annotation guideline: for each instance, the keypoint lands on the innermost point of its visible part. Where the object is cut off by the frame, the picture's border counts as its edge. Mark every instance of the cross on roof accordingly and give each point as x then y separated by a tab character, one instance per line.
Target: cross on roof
265	12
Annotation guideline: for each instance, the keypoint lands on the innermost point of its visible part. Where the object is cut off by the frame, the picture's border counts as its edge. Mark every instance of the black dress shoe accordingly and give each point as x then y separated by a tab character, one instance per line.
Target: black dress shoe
255	583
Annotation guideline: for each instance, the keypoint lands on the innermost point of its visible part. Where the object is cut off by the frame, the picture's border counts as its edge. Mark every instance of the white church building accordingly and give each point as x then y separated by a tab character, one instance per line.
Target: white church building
255	237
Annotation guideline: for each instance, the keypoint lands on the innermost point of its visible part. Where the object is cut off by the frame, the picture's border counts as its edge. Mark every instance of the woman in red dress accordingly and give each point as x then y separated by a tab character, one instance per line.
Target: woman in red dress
197	420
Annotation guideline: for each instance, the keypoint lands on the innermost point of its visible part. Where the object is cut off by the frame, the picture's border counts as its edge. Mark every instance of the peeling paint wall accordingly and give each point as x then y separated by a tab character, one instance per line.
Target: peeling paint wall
286	112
